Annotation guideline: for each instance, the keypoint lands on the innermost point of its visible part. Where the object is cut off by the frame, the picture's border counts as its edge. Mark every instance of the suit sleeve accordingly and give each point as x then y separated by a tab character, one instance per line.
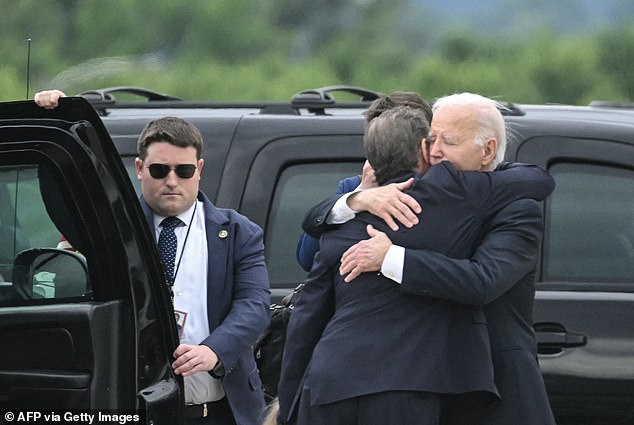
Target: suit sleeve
489	190
507	253
307	247
313	310
248	312
315	219
519	180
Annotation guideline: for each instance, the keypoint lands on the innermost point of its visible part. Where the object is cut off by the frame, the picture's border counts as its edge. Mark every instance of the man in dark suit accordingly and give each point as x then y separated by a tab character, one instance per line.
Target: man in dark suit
366	352
216	272
307	246
219	280
215	269
501	273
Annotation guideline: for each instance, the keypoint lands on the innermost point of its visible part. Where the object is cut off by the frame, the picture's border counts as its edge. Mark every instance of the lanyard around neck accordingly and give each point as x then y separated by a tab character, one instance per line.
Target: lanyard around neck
180	257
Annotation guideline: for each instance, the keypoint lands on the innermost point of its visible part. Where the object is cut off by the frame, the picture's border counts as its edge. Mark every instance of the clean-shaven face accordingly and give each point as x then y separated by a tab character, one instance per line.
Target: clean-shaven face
170	195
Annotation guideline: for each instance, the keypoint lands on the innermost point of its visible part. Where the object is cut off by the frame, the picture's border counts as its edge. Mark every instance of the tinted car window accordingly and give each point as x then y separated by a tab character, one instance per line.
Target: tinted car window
26	230
16	183
299	188
590	224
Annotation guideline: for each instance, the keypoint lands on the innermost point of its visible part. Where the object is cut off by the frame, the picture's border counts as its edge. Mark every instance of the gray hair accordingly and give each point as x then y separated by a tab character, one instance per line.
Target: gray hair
392	142
490	119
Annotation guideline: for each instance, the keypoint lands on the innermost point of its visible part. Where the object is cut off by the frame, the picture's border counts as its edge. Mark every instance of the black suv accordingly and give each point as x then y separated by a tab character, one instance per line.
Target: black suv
104	342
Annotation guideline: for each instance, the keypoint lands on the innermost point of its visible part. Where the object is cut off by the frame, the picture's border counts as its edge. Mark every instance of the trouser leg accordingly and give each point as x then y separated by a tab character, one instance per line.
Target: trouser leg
400	407
393	407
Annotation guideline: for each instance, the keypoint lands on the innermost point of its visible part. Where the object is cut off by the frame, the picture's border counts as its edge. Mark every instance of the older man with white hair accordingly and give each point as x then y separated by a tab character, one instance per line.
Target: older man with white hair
468	130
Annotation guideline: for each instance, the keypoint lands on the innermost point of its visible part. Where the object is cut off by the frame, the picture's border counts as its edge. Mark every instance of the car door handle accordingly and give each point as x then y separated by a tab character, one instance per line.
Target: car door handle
553	337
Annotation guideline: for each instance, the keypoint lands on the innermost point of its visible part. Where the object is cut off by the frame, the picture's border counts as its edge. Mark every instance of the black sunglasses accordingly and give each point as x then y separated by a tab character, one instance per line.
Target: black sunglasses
160	171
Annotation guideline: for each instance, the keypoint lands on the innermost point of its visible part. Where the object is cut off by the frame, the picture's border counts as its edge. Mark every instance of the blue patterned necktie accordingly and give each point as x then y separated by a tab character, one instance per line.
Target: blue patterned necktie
167	244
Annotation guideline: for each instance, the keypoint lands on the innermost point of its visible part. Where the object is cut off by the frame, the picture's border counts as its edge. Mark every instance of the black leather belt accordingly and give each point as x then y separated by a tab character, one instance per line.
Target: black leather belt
193	411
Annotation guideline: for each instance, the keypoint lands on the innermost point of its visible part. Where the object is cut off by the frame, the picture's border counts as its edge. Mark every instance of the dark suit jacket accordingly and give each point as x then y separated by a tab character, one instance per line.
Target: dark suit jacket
238	300
347	340
501	276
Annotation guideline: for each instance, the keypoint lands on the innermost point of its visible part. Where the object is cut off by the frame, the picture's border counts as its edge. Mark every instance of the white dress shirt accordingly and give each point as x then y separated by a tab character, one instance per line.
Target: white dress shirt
190	297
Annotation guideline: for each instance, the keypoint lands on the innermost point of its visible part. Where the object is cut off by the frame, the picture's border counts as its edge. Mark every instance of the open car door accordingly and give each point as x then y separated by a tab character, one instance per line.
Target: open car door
89	327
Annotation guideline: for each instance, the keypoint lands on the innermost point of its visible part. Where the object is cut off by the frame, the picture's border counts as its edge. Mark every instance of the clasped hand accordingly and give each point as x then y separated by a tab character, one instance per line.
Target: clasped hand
365	256
392	205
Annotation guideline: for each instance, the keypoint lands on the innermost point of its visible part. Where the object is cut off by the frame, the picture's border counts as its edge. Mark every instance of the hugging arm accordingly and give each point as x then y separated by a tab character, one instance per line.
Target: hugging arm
518	180
314	223
388	202
507	253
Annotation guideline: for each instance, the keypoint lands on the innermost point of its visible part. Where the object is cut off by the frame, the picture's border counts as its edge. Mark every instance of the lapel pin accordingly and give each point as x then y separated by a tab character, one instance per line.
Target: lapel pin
223	234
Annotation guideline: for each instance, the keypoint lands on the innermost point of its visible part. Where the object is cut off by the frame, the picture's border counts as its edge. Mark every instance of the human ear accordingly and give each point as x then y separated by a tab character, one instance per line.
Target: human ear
138	165
424	148
490	149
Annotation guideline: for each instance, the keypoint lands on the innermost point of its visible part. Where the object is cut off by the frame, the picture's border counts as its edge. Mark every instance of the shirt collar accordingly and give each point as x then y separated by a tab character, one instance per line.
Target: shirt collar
185	216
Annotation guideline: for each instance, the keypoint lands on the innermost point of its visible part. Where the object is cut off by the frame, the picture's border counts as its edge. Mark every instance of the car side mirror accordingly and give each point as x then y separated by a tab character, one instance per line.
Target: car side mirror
50	273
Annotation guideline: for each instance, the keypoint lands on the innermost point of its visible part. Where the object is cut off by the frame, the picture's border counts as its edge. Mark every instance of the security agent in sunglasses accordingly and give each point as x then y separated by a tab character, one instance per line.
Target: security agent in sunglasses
220	283
217	272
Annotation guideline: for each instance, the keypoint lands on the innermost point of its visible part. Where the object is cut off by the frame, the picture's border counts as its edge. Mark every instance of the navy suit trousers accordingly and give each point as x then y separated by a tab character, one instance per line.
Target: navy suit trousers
385	408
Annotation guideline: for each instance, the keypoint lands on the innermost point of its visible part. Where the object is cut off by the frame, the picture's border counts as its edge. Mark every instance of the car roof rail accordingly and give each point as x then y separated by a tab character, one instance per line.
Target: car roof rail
317	100
107	94
611	104
509	109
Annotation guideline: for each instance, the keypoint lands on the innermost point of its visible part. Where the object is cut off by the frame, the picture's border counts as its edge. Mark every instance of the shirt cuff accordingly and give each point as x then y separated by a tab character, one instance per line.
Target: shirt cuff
341	212
392	266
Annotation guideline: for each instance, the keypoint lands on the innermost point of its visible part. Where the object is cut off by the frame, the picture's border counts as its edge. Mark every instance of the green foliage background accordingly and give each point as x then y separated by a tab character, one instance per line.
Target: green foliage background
269	50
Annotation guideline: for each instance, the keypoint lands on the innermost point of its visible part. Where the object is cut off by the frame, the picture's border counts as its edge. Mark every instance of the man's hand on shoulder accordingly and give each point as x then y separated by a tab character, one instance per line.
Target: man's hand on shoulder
389	203
365	256
48	99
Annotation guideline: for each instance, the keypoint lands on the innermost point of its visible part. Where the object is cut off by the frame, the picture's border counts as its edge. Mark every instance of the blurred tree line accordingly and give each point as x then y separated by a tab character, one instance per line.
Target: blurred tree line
269	50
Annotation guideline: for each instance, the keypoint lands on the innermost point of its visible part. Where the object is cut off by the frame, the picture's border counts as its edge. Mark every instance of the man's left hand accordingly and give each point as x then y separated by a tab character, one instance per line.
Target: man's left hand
191	359
365	256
